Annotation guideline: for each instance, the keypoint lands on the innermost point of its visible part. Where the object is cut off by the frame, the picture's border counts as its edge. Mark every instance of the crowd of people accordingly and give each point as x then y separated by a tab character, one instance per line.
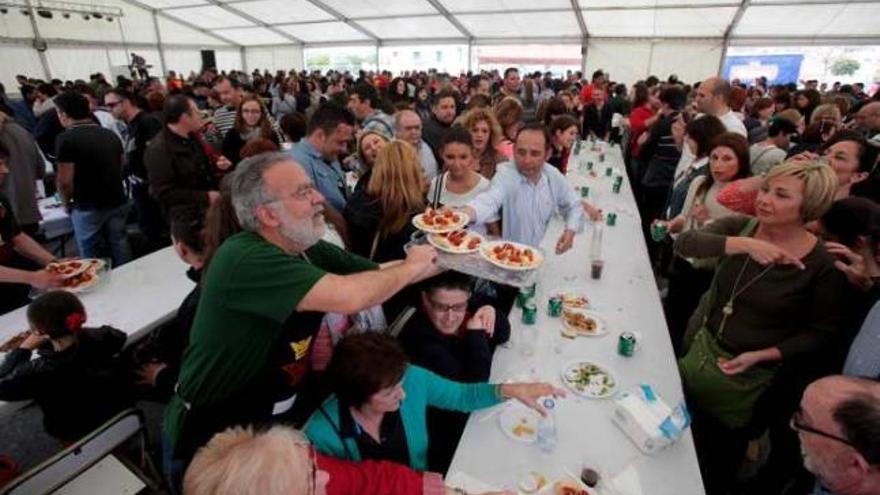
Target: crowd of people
321	352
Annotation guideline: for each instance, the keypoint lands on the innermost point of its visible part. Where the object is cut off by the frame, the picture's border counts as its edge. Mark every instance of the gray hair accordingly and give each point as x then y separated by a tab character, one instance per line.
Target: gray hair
398	116
248	187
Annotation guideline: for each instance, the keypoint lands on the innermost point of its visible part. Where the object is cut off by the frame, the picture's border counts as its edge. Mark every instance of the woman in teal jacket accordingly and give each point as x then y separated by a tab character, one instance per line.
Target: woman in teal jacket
380	402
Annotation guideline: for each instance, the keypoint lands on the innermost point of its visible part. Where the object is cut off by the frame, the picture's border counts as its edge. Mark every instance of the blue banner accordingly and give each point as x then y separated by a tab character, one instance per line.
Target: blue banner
778	69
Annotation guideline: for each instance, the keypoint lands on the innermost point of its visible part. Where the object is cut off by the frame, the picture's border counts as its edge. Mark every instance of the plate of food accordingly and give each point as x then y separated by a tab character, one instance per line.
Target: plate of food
458	242
589	379
581	323
512	255
72	268
519	423
440	221
572	299
84	280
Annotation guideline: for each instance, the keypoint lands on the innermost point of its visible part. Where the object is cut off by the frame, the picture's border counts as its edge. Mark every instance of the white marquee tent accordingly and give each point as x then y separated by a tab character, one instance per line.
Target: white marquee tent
630	38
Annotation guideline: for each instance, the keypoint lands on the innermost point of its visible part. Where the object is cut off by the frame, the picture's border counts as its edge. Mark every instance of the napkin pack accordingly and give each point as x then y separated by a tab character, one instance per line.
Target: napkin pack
648	421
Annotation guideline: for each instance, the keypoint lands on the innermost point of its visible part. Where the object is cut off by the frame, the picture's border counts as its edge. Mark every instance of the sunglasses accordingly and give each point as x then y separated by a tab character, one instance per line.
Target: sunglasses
797	424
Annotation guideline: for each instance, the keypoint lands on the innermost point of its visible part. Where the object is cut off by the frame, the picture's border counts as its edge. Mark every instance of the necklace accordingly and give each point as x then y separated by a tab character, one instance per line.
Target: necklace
727	310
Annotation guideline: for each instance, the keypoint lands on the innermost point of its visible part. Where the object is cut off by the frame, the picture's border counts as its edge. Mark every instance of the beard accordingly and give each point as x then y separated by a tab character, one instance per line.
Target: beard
304	233
809	464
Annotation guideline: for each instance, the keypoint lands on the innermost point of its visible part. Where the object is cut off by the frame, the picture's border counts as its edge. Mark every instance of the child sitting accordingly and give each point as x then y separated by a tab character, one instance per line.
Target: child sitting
75	380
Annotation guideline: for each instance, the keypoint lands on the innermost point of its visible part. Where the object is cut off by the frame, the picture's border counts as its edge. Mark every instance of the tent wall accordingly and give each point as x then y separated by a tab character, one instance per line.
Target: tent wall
274	58
631	60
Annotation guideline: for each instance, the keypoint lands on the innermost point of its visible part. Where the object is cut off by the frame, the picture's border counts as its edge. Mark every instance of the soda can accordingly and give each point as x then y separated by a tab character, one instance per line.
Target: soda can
626	344
659	231
618	180
608	171
615	188
585	191
601	157
529	313
590	165
554	307
611	218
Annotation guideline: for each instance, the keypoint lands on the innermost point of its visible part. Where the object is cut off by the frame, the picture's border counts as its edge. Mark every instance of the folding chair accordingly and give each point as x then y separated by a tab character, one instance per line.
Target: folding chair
90	466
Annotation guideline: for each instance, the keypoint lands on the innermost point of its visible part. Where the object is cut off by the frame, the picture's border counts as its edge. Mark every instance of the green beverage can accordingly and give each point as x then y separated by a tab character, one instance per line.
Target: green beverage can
658	231
529	312
608	171
611	218
618	180
585	191
590	165
601	157
626	344
615	188
554	307
525	293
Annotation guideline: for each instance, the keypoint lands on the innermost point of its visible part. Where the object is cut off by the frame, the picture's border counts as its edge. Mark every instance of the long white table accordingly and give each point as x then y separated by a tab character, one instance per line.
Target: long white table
627	299
138	297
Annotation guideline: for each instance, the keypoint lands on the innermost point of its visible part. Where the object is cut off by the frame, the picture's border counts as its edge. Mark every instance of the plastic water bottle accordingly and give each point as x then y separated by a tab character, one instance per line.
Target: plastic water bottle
547	427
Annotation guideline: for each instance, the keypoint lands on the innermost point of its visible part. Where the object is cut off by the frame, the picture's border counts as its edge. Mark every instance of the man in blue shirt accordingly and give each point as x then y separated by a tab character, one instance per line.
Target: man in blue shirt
528	190
330	129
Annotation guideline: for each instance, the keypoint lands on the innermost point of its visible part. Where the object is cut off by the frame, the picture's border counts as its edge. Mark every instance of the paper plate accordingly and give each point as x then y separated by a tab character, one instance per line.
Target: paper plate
589	379
486	251
440	242
419	223
573	331
519	423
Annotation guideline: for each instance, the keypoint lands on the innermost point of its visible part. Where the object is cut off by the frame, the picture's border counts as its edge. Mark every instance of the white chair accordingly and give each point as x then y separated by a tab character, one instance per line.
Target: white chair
89	466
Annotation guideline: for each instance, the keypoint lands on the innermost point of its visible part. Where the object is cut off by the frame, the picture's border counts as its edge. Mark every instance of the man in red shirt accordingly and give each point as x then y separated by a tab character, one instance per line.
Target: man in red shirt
598	81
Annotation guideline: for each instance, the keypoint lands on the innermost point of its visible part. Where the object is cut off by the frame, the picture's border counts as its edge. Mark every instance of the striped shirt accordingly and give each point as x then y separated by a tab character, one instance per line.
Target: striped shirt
224	119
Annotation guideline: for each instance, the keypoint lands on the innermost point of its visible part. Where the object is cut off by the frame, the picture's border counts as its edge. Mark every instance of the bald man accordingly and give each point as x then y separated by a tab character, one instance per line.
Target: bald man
868	118
838	424
712	98
408	127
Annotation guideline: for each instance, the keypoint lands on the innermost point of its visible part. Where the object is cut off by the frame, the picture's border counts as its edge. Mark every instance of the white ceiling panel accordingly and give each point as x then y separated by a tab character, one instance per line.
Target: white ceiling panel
704	22
319	32
456	6
283	11
525	25
411	27
651	3
811	20
161	4
253	36
210	17
379	8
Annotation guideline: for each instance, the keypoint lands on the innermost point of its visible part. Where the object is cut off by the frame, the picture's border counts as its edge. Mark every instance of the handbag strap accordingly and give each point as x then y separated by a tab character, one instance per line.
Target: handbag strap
395	328
375	244
336	430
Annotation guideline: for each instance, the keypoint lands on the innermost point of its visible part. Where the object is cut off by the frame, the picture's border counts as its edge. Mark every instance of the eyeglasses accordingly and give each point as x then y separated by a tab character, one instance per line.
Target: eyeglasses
302	193
797	423
443	308
111	104
253	112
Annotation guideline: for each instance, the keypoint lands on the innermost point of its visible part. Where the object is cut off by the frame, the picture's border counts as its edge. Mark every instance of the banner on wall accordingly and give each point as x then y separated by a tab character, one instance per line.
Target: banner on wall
778	69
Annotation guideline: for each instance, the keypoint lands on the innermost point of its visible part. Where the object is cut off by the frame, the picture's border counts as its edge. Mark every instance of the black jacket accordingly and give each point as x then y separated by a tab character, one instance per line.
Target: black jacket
433	132
597	122
142	128
363	215
659	155
78	388
233	144
179	171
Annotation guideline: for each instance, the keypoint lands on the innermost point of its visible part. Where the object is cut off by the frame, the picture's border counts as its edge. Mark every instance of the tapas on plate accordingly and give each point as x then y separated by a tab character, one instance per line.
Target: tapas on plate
580	323
457	242
589	379
440	220
512	255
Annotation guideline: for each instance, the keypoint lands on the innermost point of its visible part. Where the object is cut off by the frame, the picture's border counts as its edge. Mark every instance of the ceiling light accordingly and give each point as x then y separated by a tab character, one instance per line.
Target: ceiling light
46	14
25	12
86	17
109	19
65	15
4	10
97	15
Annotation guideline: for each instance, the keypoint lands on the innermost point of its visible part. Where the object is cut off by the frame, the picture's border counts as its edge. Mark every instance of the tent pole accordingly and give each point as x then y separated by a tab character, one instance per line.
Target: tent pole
159	42
42	53
470	55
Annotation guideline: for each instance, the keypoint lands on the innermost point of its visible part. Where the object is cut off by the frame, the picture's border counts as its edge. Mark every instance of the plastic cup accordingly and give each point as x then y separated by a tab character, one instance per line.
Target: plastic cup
596	267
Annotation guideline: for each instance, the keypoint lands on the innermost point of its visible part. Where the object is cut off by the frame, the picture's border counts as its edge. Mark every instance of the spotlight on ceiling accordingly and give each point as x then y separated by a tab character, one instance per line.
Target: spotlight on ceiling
45	14
86	17
25	12
97	15
4	10
65	15
109	19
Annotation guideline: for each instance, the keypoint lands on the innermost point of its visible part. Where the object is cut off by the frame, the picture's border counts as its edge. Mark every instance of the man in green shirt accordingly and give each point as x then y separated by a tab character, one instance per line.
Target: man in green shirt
274	278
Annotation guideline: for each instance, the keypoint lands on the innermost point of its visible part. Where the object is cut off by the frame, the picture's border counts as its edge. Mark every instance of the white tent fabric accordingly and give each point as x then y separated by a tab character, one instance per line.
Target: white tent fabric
630	38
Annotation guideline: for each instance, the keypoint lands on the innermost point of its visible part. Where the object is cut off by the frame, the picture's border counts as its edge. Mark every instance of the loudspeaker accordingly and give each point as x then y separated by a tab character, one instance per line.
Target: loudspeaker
209	61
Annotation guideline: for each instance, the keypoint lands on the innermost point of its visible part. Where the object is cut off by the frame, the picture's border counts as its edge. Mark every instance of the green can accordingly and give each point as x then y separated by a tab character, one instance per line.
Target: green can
601	157
611	219
590	165
626	344
554	307
585	191
525	294
529	312
615	188
608	171
659	231
618	179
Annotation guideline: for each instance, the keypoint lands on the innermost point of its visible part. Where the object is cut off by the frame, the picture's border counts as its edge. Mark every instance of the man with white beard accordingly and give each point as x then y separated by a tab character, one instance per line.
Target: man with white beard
838	425
263	297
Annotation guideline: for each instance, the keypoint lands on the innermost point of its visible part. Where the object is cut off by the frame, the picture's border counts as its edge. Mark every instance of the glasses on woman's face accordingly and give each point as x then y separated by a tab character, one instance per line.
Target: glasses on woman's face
797	424
251	111
445	308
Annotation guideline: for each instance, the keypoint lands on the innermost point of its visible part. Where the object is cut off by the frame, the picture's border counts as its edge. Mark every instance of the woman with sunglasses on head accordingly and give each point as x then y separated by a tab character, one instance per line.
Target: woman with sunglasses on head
280	461
775	303
380	402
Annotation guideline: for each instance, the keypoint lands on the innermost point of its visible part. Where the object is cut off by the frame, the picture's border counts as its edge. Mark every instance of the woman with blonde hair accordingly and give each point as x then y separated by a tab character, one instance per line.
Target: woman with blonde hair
485	136
775	303
379	216
509	112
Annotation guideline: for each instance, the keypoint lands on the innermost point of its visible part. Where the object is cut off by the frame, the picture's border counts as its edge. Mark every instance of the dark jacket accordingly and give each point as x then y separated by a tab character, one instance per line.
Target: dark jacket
179	171
233	144
142	128
596	121
78	388
659	155
433	132
363	215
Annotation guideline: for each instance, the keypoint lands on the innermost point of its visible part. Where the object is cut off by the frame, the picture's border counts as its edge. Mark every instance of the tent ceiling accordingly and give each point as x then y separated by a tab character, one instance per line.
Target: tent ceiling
277	22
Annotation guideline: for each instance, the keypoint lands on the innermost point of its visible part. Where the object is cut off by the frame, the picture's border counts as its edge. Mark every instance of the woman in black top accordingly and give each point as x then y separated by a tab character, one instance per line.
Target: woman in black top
252	121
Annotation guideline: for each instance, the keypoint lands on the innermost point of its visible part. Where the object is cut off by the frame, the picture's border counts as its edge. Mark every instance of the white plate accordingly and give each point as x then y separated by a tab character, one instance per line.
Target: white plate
440	242
572	292
594	390
516	414
463	219
487	248
84	264
601	328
